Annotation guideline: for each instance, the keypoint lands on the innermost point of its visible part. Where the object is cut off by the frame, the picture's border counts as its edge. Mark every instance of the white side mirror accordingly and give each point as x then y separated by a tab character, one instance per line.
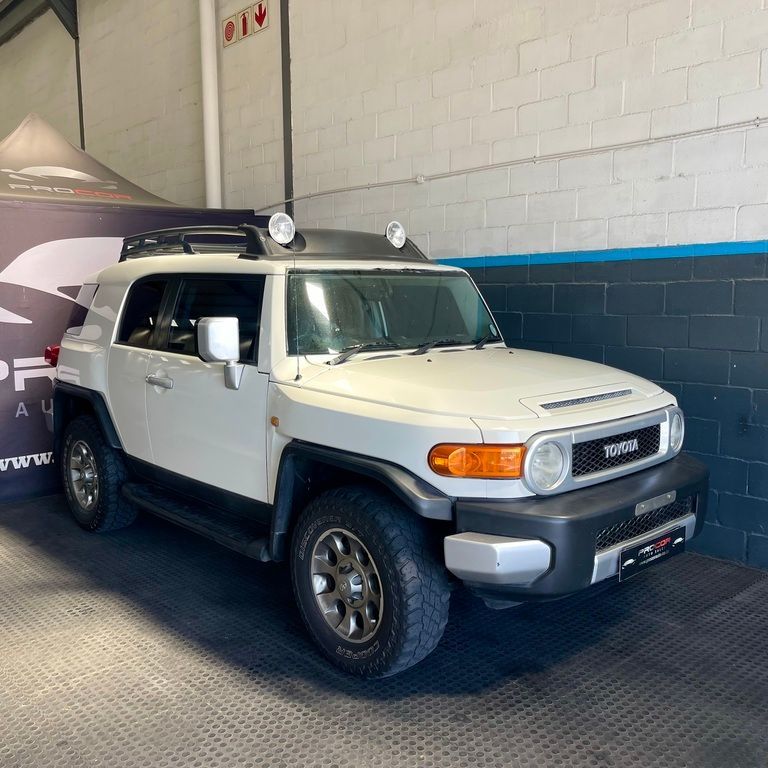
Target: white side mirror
218	341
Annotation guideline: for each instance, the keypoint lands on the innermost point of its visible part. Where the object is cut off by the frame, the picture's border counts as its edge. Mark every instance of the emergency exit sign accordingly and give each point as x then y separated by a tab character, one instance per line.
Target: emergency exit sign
245	23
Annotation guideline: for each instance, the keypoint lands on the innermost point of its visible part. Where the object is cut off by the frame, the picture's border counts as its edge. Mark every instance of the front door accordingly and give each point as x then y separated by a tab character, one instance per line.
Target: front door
198	428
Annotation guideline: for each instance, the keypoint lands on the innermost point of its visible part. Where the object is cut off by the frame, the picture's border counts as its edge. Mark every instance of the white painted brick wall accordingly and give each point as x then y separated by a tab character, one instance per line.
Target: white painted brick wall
585	234
656	20
688	48
750	222
385	92
552	206
676	193
644	94
251	119
499	82
706	226
45	84
141	92
545	52
638	229
605	201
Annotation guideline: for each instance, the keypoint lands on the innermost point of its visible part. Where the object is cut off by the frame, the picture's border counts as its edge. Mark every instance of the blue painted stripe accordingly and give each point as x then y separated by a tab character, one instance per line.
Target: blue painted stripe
614	254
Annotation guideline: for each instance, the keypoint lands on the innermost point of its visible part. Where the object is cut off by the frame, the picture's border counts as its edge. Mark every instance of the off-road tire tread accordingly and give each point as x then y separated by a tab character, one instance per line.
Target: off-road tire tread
419	621
114	511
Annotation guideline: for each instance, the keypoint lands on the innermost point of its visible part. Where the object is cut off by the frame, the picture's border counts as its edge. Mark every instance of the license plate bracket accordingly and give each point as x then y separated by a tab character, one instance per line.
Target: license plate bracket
637	558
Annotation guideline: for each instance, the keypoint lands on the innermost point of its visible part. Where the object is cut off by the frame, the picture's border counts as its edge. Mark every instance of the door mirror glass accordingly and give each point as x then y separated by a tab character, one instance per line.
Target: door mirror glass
218	339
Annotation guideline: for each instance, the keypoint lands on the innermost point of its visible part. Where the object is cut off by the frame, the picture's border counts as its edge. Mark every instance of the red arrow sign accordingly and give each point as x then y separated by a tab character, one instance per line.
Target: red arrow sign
261	14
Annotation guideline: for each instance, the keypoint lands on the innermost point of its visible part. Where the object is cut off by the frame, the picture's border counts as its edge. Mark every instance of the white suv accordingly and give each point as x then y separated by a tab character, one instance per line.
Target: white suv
336	400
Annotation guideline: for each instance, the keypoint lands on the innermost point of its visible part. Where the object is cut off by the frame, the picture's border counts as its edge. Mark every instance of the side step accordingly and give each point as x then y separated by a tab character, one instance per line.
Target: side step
237	533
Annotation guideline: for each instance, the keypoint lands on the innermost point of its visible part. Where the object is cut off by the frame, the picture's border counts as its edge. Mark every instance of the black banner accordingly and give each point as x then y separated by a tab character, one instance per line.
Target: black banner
47	249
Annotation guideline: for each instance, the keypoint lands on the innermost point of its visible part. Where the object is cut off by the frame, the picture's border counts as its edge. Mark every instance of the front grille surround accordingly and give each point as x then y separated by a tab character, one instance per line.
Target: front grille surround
604	433
625	530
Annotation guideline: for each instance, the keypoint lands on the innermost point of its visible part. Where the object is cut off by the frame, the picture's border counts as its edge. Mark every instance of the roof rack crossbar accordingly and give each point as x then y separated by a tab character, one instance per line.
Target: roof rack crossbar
145	243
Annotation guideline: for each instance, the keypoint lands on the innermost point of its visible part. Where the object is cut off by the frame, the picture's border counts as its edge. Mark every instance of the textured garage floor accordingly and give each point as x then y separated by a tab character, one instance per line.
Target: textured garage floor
151	647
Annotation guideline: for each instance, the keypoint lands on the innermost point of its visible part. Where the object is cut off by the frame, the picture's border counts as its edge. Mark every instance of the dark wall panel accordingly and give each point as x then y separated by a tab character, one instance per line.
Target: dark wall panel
698	326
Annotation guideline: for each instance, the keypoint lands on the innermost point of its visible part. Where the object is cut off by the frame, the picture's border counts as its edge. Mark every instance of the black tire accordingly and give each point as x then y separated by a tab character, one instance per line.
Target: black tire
414	586
107	510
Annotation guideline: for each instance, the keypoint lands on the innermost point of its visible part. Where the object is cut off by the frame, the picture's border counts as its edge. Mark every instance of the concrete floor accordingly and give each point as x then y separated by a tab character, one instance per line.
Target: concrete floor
151	647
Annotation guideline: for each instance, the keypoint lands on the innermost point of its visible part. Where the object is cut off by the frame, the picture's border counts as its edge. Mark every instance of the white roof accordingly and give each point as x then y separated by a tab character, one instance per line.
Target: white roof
225	263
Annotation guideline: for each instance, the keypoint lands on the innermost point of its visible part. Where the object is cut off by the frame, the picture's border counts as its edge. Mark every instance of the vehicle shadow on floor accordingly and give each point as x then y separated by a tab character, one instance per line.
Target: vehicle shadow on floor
243	612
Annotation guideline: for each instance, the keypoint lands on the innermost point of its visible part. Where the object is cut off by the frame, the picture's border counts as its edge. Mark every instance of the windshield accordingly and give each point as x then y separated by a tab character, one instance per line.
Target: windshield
329	312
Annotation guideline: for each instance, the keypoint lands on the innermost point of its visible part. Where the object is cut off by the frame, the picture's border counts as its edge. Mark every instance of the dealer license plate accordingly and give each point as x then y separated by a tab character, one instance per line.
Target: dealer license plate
638	558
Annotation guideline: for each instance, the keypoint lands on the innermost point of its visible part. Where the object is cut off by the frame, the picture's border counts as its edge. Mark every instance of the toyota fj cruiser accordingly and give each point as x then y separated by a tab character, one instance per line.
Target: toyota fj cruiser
336	400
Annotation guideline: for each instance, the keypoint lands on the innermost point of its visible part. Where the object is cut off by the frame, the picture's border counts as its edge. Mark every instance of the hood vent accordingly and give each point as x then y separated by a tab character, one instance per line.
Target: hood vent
584	400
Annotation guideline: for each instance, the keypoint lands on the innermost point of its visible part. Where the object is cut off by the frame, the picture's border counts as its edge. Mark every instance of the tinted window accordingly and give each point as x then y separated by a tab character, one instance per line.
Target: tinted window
80	308
220	297
141	312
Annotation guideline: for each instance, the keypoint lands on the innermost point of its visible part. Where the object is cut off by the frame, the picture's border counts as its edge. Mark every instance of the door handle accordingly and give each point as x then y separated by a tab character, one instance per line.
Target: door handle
160	381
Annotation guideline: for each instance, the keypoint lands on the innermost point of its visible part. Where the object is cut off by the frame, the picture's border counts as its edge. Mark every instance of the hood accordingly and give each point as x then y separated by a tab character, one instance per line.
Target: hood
492	383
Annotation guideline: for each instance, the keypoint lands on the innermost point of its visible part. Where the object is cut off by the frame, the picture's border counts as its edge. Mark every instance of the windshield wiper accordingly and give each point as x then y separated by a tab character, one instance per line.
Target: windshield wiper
427	345
488	337
353	350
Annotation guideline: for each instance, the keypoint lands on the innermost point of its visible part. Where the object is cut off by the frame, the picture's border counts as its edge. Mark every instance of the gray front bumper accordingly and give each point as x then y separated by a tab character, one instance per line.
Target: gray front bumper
546	547
501	560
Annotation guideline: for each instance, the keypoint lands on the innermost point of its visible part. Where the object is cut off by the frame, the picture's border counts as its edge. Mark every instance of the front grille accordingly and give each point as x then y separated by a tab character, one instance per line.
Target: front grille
637	526
590	457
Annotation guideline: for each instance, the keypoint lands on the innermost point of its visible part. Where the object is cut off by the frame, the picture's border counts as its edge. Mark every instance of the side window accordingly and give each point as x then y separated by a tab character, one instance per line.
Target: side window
218	297
141	312
80	308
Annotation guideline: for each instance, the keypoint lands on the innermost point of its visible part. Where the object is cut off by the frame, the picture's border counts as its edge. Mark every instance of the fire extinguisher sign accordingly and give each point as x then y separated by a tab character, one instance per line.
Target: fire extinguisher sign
245	23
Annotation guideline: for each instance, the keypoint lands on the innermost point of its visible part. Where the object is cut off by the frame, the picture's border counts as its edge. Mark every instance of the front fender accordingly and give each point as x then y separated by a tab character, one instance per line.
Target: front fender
415	493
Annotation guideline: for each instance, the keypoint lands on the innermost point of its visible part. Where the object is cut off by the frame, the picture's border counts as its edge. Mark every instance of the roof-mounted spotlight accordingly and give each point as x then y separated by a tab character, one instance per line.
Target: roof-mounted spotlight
281	228
395	233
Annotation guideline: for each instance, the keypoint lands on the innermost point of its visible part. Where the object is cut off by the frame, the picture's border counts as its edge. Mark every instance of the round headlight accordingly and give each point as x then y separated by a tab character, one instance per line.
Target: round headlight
395	233
676	432
546	466
281	228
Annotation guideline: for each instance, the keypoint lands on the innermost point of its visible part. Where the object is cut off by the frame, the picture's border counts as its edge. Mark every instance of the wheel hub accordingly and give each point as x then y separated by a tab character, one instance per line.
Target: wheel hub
83	475
346	585
351	583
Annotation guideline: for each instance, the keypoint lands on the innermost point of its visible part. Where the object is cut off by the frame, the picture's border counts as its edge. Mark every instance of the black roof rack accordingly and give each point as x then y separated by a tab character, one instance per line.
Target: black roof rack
184	240
255	243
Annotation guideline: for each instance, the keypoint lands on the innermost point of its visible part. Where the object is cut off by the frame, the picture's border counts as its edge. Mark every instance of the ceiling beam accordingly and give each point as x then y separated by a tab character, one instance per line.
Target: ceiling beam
66	10
17	14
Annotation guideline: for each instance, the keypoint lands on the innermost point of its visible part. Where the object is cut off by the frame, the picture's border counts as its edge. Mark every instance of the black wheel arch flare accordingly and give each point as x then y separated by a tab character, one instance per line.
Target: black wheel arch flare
300	460
68	401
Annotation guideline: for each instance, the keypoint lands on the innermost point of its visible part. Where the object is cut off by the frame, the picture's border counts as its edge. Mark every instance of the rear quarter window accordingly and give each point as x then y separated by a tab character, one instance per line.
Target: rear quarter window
139	321
80	308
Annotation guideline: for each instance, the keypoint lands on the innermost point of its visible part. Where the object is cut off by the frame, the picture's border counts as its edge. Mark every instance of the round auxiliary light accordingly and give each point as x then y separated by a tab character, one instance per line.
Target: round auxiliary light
676	432
395	233
546	465
281	228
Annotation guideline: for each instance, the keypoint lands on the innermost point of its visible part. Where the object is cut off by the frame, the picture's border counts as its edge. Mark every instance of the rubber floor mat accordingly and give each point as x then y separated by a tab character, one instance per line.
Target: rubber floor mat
152	647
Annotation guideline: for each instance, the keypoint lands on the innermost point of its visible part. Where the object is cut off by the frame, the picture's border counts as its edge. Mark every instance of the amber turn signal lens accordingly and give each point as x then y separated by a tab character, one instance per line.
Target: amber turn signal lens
487	461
